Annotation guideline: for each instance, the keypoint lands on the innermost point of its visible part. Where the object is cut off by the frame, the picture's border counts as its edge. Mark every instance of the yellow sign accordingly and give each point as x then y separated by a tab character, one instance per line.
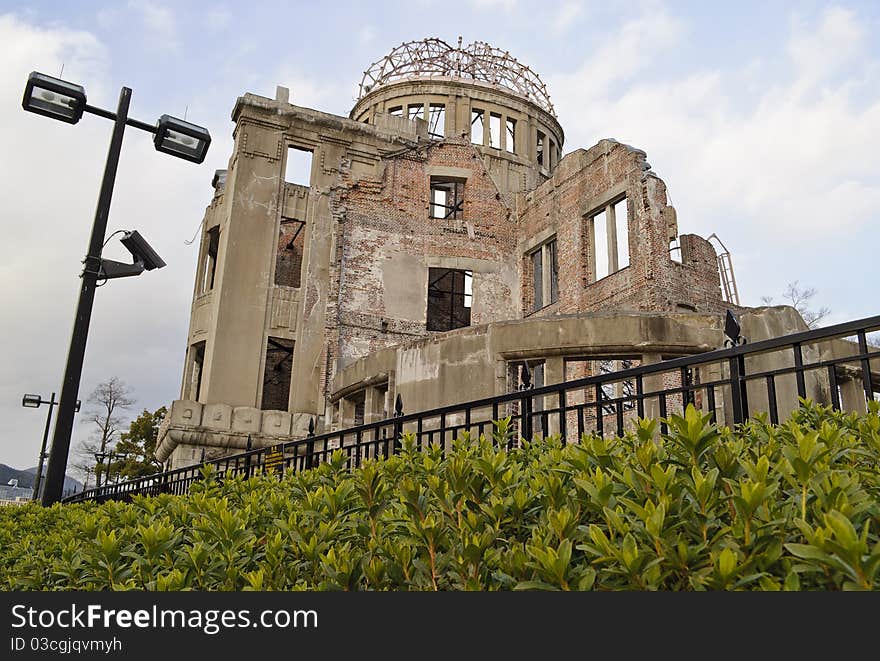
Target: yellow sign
273	460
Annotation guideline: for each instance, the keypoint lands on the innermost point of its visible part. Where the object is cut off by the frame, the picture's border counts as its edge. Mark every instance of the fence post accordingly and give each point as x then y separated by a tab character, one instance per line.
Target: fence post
398	426
310	446
736	390
526	403
247	459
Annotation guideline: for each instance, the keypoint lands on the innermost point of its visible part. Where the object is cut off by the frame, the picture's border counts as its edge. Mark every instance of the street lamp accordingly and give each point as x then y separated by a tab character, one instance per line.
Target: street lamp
66	102
35	402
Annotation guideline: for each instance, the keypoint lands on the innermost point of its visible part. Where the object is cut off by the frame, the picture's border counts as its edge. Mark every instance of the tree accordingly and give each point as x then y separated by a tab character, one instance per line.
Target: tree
104	410
800	299
138	445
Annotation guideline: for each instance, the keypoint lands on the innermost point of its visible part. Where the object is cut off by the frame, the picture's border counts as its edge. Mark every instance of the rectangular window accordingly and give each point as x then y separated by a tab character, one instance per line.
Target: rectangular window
289	257
511	135
276	375
616	389
298	169
447	198
554	271
415	112
675	250
197	361
495	131
621	212
538	278
539	148
610	232
600	245
477	127
396	111
212	236
545	275
449	299
437	121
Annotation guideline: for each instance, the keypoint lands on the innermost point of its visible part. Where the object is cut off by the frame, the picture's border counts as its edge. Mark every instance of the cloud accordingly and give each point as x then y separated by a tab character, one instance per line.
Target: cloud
159	21
219	18
484	5
566	16
366	35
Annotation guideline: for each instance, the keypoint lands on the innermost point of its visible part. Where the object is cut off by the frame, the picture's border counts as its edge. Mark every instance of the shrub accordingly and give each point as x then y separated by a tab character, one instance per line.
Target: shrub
761	507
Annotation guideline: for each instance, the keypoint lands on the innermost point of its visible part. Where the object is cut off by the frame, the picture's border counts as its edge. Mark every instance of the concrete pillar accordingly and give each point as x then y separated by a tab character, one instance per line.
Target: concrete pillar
554	372
651	383
852	396
374	404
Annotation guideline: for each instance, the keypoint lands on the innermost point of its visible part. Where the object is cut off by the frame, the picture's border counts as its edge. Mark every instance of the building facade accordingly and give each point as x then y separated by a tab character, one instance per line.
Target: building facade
424	246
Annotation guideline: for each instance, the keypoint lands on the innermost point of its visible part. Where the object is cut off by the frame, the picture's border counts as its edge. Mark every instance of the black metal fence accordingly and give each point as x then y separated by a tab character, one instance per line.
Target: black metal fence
836	366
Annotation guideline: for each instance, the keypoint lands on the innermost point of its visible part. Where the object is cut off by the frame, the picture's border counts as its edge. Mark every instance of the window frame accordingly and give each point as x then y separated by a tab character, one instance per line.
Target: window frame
435	276
546	252
612	240
455	208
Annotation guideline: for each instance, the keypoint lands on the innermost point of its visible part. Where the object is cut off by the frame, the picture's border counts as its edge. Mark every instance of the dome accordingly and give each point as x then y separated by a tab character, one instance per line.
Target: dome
478	61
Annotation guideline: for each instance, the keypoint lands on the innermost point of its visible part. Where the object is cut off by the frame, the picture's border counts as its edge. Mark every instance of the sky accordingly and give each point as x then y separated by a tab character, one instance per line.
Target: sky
763	119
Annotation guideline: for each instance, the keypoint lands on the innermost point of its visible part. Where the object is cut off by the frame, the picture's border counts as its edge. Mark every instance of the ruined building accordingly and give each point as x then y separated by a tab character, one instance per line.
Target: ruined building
426	245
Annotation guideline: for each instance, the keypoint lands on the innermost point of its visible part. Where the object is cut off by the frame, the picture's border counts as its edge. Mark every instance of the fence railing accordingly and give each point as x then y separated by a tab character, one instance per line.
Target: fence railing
837	366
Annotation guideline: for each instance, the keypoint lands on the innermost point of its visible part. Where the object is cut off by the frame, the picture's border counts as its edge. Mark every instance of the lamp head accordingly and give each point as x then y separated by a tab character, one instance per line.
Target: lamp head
31	401
182	139
54	98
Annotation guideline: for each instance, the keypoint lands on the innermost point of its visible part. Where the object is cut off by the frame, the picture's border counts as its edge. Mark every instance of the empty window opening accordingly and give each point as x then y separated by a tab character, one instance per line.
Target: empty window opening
450	293
396	111
477	128
299	166
276	375
550	249
600	245
447	198
538	279
511	135
289	257
539	148
437	121
621	213
551	160
359	412
675	250
212	236
495	131
380	401
616	389
545	275
415	112
609	229
197	361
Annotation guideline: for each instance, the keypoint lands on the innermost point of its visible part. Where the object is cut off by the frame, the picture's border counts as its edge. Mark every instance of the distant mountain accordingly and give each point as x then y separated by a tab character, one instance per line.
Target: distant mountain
26	478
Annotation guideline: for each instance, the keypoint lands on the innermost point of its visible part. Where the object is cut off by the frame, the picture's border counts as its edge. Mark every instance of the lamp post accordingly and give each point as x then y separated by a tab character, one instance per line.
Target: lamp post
66	102
35	402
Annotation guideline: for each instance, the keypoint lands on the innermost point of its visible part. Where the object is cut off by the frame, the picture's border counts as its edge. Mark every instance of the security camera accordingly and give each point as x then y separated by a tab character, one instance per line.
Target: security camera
145	258
141	250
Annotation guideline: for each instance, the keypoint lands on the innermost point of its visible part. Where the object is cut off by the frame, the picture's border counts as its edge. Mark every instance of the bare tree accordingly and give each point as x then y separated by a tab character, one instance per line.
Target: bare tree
105	411
800	299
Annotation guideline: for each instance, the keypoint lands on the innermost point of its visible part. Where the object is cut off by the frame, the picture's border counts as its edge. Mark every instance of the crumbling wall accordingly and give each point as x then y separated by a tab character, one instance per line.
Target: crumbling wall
585	184
387	241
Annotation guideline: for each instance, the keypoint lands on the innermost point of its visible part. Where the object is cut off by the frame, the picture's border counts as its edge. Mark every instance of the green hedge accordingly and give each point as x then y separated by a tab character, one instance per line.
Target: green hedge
762	507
